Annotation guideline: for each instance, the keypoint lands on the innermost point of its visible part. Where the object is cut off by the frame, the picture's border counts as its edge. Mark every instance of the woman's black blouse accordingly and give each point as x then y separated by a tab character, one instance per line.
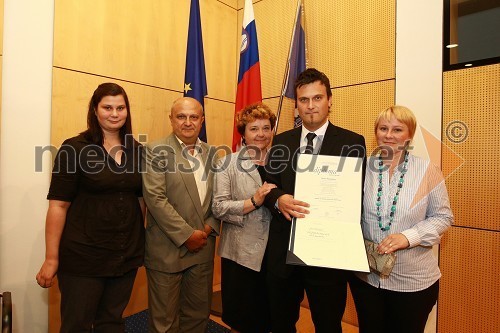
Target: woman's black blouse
104	231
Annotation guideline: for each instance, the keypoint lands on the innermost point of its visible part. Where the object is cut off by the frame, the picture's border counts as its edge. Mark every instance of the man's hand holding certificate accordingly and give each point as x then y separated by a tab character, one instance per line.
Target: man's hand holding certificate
327	232
291	207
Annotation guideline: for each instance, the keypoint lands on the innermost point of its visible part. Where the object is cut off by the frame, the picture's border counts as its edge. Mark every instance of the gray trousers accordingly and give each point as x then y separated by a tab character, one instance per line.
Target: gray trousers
180	302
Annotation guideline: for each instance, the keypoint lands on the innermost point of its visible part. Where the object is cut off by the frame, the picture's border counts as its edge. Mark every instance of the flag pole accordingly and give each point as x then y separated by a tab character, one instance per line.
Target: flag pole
287	69
303	16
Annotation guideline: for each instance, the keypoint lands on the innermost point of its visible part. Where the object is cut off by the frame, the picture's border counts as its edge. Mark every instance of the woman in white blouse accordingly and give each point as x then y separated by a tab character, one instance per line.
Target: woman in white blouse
239	192
406	210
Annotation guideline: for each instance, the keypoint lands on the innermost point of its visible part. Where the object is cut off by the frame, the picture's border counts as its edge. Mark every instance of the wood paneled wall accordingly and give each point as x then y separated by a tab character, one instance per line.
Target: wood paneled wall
145	41
140	45
349	54
470	251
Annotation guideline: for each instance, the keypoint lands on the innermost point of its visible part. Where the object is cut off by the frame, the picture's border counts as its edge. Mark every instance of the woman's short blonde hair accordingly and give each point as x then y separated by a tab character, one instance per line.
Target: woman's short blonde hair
251	113
401	114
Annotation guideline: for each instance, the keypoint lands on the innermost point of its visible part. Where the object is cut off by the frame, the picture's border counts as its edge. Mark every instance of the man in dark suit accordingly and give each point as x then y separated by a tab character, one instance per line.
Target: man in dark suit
326	288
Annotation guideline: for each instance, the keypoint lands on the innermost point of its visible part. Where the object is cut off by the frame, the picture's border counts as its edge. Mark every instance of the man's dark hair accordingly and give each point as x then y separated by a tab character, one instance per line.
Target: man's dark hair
311	75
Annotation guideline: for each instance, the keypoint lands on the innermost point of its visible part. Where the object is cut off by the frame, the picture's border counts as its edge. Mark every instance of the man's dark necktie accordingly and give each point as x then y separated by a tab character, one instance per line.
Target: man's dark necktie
310	148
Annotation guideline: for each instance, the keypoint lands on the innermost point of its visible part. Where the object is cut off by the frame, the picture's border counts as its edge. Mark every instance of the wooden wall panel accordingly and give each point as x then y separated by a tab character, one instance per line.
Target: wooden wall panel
150	108
350	314
219	118
145	41
219	23
352	41
241	3
274	40
286	118
231	3
469	296
104	37
356	107
71	93
470	253
54	313
470	129
139	299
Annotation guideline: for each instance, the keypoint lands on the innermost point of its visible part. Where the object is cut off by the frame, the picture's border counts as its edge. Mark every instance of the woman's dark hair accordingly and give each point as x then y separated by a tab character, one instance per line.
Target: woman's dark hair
94	131
312	75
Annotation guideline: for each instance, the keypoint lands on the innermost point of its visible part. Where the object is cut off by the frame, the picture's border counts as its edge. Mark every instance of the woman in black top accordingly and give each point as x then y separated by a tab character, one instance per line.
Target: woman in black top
94	230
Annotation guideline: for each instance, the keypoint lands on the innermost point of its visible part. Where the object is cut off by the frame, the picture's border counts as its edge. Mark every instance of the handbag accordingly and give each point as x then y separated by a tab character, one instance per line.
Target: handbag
380	264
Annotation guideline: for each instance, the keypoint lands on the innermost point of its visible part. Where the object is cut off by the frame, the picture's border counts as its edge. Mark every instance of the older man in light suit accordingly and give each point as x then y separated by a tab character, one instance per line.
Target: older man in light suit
181	230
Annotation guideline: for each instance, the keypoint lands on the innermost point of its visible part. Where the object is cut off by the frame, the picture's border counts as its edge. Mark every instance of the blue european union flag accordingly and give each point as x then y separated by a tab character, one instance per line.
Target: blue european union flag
297	60
195	81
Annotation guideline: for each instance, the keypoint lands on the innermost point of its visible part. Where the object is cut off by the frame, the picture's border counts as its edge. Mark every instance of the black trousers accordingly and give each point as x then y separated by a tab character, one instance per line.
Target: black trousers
94	304
382	310
244	298
326	291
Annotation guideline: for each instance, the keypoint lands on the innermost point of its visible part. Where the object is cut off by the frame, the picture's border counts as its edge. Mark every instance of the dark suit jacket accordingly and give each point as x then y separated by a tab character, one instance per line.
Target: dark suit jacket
281	171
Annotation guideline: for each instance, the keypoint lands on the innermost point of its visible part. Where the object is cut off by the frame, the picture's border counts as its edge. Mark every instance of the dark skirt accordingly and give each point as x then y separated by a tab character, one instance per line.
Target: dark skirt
244	298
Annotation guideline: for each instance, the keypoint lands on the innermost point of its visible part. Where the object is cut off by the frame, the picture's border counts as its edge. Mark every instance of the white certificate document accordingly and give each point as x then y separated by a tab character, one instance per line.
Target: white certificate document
330	235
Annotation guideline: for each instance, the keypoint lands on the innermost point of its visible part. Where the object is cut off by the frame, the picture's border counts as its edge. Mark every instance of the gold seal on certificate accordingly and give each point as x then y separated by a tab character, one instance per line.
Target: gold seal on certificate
330	235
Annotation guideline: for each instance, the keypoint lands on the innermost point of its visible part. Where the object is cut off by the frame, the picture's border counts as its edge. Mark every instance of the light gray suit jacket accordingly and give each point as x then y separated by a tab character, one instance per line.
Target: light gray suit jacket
174	207
243	237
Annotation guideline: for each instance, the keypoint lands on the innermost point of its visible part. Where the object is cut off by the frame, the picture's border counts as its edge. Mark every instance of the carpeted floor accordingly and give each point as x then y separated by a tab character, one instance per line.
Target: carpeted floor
138	323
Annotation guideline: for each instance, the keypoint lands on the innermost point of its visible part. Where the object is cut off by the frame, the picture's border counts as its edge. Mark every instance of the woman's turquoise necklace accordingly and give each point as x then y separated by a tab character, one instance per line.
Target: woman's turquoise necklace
396	197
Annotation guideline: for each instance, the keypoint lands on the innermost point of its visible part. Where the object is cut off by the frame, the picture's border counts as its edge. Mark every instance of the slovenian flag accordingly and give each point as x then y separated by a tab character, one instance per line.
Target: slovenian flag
195	81
296	59
249	89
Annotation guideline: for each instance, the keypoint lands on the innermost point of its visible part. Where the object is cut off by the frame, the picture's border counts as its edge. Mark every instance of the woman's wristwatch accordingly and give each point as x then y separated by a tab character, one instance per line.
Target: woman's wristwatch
254	203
